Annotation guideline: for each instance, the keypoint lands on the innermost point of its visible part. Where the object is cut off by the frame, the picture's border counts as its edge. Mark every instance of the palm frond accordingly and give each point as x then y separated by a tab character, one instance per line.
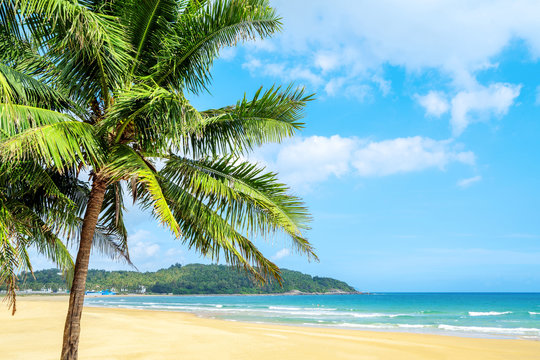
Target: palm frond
9	256
89	48
204	230
20	88
126	163
147	23
57	144
153	117
187	55
21	227
111	236
269	116
245	195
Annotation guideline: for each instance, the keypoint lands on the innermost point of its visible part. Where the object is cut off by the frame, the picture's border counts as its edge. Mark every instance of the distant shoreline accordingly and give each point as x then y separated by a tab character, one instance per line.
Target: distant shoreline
289	293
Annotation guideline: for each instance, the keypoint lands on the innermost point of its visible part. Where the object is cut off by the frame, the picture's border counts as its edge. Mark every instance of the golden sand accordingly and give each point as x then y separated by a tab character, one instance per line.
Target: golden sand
35	332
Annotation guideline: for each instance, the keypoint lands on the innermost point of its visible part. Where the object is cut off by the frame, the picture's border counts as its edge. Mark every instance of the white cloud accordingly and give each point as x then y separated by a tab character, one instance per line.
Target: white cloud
334	85
406	155
296	73
434	102
384	85
228	53
326	61
341	86
141	247
306	161
313	159
456	36
281	254
252	64
477	105
473	105
343	47
469	181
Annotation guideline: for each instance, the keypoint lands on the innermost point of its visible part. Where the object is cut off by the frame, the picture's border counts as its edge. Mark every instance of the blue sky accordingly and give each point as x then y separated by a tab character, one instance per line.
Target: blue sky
419	159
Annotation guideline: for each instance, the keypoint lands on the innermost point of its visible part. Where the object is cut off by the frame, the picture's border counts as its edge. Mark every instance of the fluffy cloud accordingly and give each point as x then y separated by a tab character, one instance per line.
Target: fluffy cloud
473	105
140	246
306	161
434	102
469	181
407	155
281	254
478	104
309	160
283	71
343	47
457	36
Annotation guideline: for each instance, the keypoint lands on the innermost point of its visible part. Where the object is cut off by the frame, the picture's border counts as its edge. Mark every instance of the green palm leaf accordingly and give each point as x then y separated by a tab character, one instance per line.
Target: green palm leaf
246	196
57	144
125	163
188	53
19	88
206	231
270	116
89	48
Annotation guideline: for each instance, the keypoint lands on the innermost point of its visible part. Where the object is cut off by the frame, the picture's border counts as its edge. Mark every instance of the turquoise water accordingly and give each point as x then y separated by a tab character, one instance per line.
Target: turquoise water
504	315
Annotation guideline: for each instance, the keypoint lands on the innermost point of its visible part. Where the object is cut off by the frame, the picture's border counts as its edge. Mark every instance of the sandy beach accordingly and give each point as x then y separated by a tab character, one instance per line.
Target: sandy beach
35	332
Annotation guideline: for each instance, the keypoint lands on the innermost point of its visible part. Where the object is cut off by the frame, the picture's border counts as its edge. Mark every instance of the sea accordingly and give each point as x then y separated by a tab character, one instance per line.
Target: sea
497	315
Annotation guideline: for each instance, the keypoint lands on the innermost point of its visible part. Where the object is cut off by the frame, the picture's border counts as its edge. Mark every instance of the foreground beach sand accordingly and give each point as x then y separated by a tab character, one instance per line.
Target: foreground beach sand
35	332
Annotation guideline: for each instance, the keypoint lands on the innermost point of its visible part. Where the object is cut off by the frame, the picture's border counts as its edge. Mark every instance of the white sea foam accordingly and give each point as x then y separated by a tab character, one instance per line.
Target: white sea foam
291	308
413	326
488	313
363	326
380	326
492	330
369	315
270	311
284	308
534	313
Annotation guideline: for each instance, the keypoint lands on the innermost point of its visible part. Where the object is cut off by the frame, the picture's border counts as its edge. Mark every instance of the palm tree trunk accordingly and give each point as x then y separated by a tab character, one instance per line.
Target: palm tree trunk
72	328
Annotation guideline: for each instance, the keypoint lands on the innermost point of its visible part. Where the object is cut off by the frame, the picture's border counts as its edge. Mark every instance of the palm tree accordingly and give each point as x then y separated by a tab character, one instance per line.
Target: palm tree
32	214
39	207
115	76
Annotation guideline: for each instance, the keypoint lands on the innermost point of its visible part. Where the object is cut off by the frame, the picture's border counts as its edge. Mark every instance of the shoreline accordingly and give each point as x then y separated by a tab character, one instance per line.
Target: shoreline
337	327
399	328
35	332
288	293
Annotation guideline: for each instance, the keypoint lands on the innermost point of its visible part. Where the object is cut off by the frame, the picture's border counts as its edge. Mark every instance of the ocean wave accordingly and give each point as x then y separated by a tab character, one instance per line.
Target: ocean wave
380	326
488	313
270	311
292	308
375	315
413	326
492	330
363	326
534	313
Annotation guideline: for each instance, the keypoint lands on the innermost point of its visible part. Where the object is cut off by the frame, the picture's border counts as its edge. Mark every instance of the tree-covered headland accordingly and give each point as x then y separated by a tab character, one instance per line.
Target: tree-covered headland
188	279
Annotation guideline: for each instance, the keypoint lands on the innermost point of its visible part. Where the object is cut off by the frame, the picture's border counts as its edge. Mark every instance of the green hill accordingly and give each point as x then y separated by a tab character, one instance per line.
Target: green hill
188	279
